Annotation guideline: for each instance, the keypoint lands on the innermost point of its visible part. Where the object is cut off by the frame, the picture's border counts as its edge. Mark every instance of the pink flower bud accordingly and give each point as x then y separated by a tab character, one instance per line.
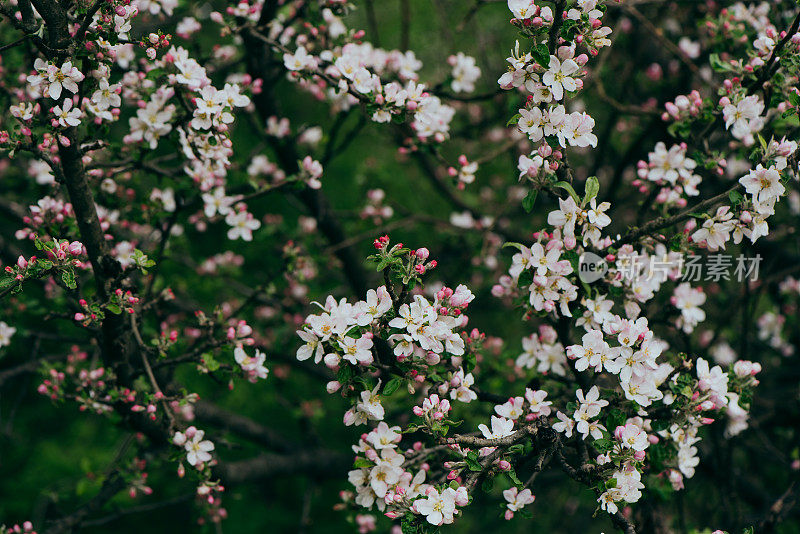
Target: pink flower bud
545	150
349	417
75	248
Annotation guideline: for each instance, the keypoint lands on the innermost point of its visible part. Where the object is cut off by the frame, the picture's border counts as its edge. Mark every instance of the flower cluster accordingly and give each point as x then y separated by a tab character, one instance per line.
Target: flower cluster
544	352
549	75
382	480
633	359
386	80
673	171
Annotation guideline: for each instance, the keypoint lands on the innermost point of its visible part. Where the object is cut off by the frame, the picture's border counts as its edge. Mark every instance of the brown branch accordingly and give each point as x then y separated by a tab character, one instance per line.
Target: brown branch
405	24
765	71
87	19
779	509
317	463
112	485
143	352
663	222
475	441
133	510
584	476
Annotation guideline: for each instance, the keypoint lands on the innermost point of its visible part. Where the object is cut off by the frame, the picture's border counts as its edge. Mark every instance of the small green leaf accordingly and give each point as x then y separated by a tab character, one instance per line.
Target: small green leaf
344	375
513	476
473	464
541	54
513	120
517	246
592	188
603	445
736	197
392	385
361	462
718	65
68	277
530	200
210	363
566	186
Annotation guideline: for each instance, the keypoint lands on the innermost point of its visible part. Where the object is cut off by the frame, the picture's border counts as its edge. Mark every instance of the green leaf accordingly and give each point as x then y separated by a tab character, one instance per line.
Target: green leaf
616	417
541	54
384	263
603	445
659	424
142	261
566	186
68	277
679	129
392	385
530	200
552	140
718	65
516	449
512	244
344	375
736	197
513	476
525	278
473	464
209	361
113	308
592	188
361	462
